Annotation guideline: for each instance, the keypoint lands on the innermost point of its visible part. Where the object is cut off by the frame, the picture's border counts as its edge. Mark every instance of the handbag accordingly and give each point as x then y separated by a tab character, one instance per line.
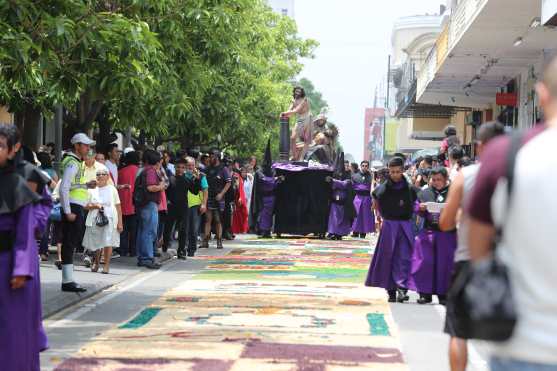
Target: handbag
482	293
56	213
101	220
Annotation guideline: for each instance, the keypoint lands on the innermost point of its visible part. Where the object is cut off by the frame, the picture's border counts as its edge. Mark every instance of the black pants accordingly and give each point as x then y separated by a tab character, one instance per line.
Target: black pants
128	236
72	233
177	216
227	218
193	228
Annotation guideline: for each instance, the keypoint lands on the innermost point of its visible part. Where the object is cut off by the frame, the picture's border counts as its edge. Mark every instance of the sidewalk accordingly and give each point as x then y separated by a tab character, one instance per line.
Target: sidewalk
54	300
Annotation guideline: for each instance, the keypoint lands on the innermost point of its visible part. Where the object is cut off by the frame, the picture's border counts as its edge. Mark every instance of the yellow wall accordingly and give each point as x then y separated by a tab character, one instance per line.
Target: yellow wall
429	124
391	131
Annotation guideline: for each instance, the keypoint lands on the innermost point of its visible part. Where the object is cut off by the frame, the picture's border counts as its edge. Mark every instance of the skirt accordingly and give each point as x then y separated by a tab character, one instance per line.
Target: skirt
96	238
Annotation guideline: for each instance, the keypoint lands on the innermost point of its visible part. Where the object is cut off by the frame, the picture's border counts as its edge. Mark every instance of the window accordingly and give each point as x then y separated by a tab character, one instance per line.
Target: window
284	11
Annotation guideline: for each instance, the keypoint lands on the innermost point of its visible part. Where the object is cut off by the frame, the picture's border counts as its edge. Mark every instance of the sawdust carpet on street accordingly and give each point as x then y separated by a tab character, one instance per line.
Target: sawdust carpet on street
282	304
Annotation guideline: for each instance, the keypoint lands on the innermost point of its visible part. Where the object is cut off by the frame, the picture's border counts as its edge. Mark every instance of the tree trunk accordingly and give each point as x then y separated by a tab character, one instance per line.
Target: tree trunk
28	121
104	137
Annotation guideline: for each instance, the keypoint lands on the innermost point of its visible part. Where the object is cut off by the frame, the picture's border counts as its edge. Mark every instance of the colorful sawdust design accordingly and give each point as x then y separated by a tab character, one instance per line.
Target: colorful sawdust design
142	318
267	305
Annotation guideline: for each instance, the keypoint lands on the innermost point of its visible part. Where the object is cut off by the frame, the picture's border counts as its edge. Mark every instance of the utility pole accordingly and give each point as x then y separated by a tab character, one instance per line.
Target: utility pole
58	136
386	106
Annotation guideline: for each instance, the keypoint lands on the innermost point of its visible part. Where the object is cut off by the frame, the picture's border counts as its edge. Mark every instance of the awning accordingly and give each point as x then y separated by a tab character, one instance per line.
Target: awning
410	109
486	44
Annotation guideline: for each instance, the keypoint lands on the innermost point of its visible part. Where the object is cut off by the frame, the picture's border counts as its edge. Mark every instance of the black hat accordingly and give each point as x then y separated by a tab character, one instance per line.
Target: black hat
339	166
267	160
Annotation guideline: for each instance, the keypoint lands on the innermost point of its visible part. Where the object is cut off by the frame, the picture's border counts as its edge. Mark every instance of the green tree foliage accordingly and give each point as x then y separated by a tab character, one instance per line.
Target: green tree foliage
314	96
190	70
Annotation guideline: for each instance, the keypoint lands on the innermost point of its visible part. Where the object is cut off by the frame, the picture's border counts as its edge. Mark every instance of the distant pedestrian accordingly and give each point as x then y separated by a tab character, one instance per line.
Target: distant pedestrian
219	181
197	205
112	161
126	179
178	208
103	200
364	222
452	216
73	197
147	195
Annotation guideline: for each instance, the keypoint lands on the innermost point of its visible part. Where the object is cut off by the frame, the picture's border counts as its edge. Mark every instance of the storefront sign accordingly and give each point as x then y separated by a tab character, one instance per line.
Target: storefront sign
506	99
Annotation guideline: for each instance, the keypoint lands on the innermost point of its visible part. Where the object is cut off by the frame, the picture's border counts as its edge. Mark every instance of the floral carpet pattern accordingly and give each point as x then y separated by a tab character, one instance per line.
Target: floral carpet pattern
283	304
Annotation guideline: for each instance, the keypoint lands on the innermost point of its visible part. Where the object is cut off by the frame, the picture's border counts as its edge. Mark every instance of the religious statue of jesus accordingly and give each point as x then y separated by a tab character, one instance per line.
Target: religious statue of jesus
301	133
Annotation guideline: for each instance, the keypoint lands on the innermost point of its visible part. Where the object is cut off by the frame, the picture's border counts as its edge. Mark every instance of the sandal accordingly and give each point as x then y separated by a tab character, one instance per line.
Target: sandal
94	267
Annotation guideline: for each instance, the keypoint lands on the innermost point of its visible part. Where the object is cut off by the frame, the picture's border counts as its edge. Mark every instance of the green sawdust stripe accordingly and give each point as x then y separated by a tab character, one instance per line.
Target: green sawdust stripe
377	324
142	318
312	274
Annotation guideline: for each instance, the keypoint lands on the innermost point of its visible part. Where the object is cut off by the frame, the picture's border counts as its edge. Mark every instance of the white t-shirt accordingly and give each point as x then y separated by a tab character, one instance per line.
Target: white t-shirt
529	248
113	170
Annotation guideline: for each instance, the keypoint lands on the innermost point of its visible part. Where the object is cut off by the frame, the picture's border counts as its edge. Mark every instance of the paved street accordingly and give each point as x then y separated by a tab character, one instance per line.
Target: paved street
292	304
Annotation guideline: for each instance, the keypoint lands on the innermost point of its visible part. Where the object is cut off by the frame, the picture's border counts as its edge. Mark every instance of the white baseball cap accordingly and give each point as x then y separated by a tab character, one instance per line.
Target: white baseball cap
83	139
128	150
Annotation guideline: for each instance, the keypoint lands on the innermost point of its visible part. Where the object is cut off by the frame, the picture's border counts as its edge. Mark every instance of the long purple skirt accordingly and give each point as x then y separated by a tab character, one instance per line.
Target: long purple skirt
266	215
22	334
390	266
338	224
432	262
365	219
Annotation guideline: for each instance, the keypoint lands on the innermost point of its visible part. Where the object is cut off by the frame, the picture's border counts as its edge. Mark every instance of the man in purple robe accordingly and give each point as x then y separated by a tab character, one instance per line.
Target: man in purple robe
264	194
433	254
394	201
22	334
365	219
342	210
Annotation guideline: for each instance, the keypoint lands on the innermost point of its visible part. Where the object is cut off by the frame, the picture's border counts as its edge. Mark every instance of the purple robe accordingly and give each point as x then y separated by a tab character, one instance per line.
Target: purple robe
432	260
266	186
339	224
22	333
390	266
365	219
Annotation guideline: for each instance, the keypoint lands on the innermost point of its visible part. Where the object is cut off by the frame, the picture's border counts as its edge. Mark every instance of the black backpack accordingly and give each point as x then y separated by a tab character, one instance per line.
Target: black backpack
140	192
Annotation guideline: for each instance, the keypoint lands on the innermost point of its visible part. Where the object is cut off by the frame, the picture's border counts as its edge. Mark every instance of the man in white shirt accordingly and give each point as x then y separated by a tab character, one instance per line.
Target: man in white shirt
112	161
529	244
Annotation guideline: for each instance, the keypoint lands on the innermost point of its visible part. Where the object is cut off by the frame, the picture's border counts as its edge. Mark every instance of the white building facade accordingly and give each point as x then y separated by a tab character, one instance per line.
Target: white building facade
411	41
489	57
283	7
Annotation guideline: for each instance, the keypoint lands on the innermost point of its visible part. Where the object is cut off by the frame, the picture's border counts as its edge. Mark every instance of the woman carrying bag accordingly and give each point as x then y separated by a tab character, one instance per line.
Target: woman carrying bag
104	221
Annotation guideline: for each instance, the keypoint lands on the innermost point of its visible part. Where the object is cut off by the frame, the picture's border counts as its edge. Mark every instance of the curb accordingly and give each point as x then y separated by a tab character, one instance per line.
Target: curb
58	303
61	302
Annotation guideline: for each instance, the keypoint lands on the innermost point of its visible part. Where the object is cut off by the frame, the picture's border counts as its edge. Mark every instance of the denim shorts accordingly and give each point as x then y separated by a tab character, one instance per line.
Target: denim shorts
499	364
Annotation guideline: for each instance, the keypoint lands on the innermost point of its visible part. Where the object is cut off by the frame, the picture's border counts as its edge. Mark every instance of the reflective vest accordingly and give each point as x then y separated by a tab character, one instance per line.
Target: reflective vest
78	188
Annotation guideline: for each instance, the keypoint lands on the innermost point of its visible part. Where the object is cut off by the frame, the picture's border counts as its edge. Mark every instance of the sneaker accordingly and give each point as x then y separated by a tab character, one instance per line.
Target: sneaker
219	244
402	295
152	266
204	244
115	255
87	261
